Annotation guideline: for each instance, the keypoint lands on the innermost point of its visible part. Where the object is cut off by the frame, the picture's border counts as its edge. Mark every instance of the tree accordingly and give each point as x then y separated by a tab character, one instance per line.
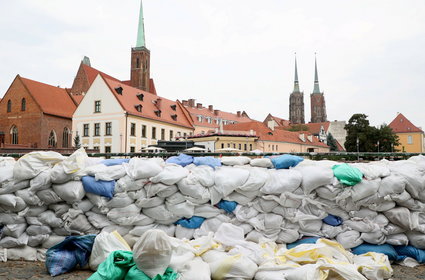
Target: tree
370	139
330	140
77	143
298	127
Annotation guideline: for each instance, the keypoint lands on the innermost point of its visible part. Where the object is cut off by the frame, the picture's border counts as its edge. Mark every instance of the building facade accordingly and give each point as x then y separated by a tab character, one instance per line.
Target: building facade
296	102
36	115
411	137
317	100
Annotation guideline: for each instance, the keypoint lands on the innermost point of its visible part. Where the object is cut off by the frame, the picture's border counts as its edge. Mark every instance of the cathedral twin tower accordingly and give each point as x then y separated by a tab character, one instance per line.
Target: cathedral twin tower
317	101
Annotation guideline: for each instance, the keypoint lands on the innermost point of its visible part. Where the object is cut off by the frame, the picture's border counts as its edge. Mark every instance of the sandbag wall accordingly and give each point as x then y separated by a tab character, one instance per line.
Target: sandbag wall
45	197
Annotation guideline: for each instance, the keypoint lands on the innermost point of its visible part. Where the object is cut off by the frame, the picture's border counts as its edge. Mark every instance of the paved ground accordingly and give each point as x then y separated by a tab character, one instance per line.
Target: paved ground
30	270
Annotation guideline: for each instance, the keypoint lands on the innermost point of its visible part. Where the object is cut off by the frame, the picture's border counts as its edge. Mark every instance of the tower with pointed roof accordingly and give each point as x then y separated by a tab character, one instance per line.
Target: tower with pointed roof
317	100
296	101
140	59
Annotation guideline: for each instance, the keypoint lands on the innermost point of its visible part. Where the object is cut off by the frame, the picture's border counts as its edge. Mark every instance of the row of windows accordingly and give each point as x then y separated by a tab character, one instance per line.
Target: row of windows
52	140
217	121
245	146
96	130
23	105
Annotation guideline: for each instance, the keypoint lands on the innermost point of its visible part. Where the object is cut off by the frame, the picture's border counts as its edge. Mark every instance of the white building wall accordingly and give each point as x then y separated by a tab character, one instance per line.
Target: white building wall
336	128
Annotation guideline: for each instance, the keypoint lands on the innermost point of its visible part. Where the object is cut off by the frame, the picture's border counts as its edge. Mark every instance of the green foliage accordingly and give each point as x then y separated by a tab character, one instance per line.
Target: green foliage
77	143
371	139
298	127
331	141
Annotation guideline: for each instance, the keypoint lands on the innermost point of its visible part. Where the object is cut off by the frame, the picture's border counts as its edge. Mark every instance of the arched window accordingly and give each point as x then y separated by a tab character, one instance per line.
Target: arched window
14	135
23	104
65	137
52	139
137	63
9	106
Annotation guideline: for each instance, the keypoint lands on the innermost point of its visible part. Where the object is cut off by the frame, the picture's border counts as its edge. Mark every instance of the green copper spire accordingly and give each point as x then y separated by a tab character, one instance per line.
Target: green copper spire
296	84
141	31
316	77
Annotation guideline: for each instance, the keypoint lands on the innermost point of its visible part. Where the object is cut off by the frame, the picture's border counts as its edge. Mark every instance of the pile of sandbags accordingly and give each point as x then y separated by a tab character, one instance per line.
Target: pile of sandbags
45	197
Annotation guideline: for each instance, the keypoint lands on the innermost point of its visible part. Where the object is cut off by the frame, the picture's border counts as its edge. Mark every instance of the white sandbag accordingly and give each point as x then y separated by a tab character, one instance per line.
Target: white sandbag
37	230
170	175
399	239
84	205
193	189
402	217
6	219
25	253
414	176
393	184
226	266
202	174
361	225
41	254
372	170
229	235
130	239
185	209
52	241
244	213
416	239
152	252
6	174
11	242
141	168
364	213
13	186
282	180
170	230
227	179
331	232
31	164
9	200
41	182
168	192
135	195
122	230
70	192
149	202
264	204
374	237
239	198
153	189
140	230
373	265
175	198
119	200
99	221
236	160
33	221
261	162
70	166
314	177
36	240
97	200
206	211
110	173
349	239
7	161
59	209
364	189
18	204
104	244
49	218
126	184
128	211
393	229
329	191
79	225
195	269
159	213
256	180
49	196
29	197
14	230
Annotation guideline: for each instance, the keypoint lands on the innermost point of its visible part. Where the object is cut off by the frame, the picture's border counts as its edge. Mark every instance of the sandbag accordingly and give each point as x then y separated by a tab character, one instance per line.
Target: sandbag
181	159
139	168
347	174
285	161
70	192
103	188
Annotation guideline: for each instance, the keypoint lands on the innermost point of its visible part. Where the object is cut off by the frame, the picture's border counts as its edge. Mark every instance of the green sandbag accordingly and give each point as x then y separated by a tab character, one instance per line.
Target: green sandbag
347	174
135	274
115	267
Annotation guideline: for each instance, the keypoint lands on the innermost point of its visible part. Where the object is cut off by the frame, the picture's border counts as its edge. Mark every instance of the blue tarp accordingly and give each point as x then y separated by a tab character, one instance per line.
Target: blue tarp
410	251
114	161
386	249
65	256
285	161
306	240
194	222
103	188
332	220
181	159
228	206
210	161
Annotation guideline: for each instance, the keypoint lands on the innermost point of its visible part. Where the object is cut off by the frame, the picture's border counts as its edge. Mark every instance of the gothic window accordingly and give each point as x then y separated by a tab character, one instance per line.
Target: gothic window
14	135
65	137
9	106
52	139
23	104
137	63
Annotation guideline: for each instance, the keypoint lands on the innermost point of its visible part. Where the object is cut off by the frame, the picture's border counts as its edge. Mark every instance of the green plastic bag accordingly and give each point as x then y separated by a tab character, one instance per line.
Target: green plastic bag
115	267
135	274
347	174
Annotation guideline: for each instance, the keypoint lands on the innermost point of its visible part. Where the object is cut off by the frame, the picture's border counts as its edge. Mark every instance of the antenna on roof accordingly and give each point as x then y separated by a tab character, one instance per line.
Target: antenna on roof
86	61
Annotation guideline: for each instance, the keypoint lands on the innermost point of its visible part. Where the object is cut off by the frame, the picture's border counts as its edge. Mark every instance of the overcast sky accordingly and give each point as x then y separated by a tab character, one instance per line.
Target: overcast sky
233	54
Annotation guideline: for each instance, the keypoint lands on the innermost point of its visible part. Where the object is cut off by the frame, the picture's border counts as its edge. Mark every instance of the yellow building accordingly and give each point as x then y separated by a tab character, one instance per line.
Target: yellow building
411	137
218	142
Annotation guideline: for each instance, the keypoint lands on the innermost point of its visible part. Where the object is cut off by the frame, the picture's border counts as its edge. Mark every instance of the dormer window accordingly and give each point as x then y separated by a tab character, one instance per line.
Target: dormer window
138	107
173	107
118	90
174	117
270	133
200	118
140	96
158	113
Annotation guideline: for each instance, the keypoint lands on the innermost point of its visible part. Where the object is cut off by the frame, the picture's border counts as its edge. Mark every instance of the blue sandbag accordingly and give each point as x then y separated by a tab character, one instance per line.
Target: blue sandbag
228	206
332	220
210	161
181	159
65	256
411	251
193	222
306	240
386	249
285	161
103	188
114	161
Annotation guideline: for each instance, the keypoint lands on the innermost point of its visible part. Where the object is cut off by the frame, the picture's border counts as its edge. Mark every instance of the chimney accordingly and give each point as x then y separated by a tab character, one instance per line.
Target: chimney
185	103
210	107
238	113
216	112
191	102
199	105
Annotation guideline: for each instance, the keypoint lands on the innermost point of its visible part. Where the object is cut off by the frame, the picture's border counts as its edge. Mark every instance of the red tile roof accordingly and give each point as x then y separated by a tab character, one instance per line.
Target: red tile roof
151	103
401	124
314	128
280	121
52	100
278	135
92	73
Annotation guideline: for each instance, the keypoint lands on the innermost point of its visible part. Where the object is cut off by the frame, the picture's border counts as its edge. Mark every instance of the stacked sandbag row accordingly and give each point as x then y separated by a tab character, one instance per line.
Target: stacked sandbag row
45	197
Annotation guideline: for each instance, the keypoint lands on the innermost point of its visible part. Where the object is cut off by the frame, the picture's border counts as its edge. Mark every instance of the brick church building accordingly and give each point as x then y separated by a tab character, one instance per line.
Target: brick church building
35	115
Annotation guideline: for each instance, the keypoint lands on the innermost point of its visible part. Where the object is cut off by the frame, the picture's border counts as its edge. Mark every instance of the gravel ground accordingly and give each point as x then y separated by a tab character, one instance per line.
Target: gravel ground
36	270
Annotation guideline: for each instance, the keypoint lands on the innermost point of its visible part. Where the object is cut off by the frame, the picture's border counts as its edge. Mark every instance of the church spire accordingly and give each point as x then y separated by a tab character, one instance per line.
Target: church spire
141	30
316	77
296	84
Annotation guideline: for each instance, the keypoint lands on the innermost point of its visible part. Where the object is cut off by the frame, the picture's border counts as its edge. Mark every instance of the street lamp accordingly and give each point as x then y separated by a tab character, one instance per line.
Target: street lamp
357	142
